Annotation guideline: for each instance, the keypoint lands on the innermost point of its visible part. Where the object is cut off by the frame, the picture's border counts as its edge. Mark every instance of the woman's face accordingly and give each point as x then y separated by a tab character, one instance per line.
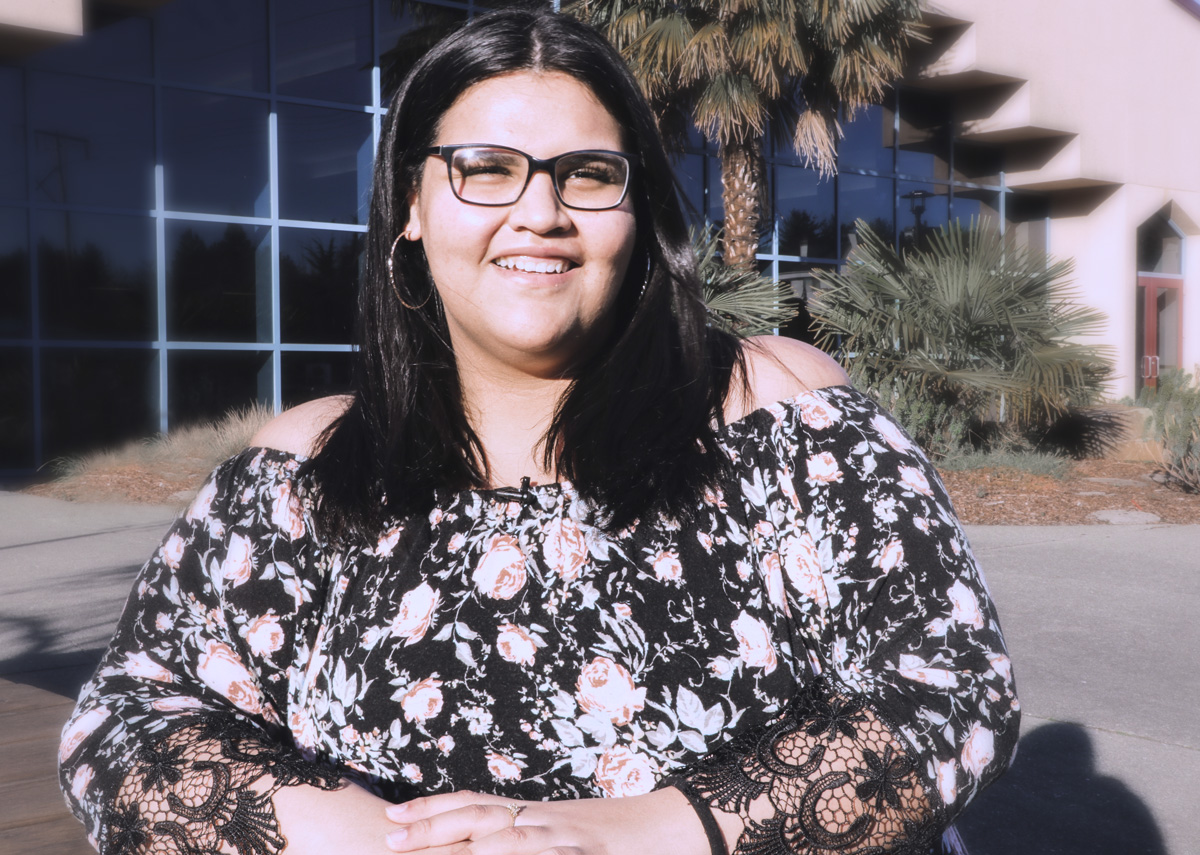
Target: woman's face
501	313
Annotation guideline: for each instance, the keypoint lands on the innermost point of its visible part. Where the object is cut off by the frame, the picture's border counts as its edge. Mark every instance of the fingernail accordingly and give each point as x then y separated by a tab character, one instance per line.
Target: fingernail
395	811
396	838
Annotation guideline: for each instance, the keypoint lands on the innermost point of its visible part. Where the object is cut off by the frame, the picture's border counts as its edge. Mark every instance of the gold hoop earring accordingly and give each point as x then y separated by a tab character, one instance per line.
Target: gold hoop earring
404	235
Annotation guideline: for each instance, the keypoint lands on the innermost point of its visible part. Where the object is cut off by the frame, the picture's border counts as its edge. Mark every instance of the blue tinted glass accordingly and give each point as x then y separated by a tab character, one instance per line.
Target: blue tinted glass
12	135
314	375
689	170
96	398
220	43
318	280
323	49
923	208
799	275
16	416
215	153
924	142
113	44
716	204
867	143
95	275
218	282
978	206
93	141
14	273
805	213
407	31
205	385
325	161
866	198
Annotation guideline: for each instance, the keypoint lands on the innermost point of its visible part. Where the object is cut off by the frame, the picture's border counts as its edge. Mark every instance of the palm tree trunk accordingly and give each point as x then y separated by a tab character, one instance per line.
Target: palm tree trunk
743	190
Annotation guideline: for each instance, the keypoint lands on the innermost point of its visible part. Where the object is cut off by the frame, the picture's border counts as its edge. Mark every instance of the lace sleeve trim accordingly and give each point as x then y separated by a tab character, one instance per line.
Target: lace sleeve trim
205	787
829	776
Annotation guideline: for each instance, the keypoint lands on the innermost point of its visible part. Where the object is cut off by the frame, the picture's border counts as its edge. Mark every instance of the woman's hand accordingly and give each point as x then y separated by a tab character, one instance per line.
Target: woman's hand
467	823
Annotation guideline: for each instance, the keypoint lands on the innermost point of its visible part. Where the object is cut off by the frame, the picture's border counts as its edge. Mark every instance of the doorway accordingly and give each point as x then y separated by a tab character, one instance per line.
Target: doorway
1159	327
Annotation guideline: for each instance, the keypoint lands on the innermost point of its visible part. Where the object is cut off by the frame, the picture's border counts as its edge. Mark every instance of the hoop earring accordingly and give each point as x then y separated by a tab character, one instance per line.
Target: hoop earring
404	235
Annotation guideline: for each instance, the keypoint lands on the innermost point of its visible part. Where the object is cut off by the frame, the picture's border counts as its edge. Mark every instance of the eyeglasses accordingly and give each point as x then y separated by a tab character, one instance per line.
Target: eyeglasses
494	175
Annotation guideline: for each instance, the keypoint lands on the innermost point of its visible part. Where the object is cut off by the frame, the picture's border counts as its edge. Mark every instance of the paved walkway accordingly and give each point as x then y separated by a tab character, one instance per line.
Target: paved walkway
1101	621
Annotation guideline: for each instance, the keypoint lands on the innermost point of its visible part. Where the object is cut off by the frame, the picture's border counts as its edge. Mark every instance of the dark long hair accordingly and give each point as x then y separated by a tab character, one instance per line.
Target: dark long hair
634	430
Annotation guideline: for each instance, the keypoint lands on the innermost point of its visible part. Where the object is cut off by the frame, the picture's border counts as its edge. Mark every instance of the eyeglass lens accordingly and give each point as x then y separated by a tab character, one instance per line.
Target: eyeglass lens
496	176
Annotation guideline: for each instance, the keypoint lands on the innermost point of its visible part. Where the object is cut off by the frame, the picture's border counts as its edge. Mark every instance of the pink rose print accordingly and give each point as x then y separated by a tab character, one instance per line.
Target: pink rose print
947	781
503	768
285	513
817	414
1002	665
238	563
891	557
979	749
605	688
412	772
773	573
264	635
417	608
891	434
515	644
387	543
81	780
445	744
565	548
79	730
202	504
802	564
622	611
754	643
823	469
423	700
222	671
172	551
141	665
965	606
920	671
667	567
915	480
621	772
177	703
500	574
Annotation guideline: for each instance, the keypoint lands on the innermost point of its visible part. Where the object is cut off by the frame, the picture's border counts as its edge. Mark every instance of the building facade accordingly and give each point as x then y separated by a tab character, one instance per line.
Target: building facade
183	189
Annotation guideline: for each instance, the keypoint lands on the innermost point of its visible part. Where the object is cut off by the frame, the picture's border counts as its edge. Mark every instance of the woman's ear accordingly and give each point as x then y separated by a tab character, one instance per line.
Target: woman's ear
412	229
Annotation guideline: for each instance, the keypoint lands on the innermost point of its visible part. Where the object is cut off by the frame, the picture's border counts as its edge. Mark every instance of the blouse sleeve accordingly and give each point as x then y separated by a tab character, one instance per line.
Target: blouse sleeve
912	707
177	744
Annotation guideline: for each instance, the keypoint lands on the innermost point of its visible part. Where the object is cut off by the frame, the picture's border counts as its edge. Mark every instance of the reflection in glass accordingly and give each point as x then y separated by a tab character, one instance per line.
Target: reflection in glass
923	209
981	207
866	198
96	276
716	201
16	416
800	276
220	43
325	159
805	213
978	162
215	153
318	279
14	274
12	135
323	49
115	44
406	32
867	143
314	375
218	282
1159	248
689	169
95	398
206	384
924	148
93	141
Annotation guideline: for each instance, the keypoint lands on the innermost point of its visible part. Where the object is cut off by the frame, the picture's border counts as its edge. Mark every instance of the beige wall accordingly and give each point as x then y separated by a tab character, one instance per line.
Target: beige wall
49	17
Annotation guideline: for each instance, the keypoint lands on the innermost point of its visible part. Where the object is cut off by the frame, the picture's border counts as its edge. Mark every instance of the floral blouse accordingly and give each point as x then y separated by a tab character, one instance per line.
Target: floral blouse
817	642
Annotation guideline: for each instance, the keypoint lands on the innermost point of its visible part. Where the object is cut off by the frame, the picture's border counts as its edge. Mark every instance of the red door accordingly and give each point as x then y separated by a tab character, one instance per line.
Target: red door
1160	325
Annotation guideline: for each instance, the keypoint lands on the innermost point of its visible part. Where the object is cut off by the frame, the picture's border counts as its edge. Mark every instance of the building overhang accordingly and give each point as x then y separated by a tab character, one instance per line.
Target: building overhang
27	26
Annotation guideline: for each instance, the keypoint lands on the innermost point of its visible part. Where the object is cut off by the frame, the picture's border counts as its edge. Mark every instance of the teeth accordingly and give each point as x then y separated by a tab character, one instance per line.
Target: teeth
529	266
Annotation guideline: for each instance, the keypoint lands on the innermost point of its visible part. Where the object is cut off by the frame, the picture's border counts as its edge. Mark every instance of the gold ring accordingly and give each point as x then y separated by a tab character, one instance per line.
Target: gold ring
514	810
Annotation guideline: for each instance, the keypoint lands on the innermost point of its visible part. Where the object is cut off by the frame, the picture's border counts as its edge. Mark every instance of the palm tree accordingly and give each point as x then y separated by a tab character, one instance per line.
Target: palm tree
734	66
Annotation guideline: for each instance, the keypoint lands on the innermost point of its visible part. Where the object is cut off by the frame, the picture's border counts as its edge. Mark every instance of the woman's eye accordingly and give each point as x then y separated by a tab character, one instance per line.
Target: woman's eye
600	173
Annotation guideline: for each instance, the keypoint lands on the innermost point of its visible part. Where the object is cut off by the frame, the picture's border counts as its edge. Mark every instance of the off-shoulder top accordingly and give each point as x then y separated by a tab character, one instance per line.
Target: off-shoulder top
815	650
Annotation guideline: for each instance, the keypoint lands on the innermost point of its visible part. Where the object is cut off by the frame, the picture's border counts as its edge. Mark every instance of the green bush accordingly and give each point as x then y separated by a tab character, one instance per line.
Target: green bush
973	341
740	300
1175	424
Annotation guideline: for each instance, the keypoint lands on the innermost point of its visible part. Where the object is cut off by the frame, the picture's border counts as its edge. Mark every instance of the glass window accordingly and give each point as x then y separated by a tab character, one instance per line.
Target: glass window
800	276
323	49
325	160
311	375
1159	248
924	149
220	43
116	44
96	278
689	170
980	207
923	208
93	141
16	416
805	213
977	162
12	135
218	282
867	141
861	197
716	202
206	384
406	32
96	398
15	320
215	153
318	281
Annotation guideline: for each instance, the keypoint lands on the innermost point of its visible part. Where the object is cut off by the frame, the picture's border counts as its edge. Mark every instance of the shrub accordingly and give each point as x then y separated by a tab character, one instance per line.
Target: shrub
740	300
1175	424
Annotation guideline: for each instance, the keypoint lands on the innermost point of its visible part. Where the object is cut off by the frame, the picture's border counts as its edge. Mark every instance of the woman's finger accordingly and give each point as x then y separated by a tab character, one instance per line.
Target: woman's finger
426	806
469	822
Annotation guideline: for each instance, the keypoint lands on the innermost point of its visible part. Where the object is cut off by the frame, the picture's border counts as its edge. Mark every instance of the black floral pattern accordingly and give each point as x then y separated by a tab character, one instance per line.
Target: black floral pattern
817	642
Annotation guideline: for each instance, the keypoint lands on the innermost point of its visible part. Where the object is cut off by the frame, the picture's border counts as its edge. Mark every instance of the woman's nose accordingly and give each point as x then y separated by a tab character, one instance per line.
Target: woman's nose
539	209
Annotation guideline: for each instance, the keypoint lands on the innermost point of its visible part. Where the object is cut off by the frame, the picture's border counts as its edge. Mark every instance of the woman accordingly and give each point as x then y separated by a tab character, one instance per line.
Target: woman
564	541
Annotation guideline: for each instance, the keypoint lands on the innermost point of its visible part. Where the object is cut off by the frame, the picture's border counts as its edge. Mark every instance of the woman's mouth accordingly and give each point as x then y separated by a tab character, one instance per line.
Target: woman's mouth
533	265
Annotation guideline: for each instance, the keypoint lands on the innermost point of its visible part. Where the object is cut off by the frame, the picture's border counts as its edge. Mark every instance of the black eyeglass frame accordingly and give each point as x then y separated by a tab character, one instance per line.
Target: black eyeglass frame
446	153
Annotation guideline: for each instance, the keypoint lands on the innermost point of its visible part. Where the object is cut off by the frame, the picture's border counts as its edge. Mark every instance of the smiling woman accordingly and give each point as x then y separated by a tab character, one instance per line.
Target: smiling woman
566	542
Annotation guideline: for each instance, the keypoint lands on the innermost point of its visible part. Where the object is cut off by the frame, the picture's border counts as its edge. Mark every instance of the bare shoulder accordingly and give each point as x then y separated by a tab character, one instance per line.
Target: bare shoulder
779	368
298	429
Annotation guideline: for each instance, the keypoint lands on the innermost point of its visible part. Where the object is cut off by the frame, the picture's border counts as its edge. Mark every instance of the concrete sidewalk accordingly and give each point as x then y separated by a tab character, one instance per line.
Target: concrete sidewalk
1100	622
